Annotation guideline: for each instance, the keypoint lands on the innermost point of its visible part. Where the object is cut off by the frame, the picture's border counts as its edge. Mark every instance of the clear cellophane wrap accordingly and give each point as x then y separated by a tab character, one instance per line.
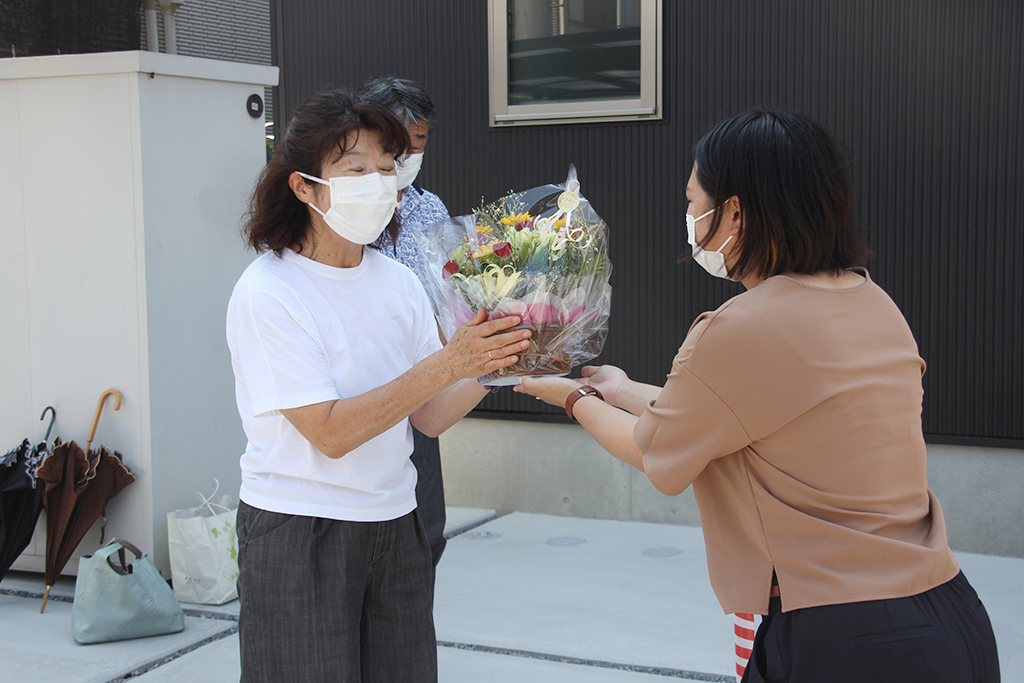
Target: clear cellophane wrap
542	255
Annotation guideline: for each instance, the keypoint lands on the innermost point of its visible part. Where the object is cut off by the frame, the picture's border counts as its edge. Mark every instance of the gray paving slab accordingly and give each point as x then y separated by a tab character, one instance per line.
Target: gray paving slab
498	586
585	589
216	662
462	666
40	648
520	597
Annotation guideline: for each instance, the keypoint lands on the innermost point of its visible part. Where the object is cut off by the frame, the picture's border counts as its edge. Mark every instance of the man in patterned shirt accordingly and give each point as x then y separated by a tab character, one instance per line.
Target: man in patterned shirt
417	208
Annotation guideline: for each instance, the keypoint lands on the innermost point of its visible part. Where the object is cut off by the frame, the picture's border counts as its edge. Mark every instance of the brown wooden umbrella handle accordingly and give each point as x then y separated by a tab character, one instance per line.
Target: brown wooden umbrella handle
99	409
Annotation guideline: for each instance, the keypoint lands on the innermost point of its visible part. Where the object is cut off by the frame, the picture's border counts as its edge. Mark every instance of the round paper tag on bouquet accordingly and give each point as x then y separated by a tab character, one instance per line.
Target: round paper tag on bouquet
570	199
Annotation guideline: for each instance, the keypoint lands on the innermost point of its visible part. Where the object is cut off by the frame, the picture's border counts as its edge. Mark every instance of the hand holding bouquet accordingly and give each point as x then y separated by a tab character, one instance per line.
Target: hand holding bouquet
541	254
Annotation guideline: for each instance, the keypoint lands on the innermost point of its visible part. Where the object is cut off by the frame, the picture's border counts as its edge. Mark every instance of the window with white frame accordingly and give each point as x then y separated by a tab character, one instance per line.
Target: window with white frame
566	61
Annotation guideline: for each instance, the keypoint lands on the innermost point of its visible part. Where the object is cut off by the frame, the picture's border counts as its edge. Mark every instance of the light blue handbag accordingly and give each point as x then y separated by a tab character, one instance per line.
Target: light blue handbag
118	600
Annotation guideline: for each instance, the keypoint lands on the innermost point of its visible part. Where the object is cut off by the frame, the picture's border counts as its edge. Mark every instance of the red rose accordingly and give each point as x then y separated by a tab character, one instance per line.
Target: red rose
502	249
449	269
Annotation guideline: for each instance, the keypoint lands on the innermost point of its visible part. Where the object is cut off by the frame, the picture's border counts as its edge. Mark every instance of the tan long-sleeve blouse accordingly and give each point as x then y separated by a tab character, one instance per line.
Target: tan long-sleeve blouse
795	412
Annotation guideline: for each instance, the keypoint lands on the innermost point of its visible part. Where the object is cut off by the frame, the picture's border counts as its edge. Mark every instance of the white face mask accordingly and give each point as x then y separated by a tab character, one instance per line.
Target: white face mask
361	206
711	261
408	169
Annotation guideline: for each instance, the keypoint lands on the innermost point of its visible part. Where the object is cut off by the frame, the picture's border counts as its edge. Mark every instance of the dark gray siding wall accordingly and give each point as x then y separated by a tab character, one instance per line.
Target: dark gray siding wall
231	30
927	95
62	27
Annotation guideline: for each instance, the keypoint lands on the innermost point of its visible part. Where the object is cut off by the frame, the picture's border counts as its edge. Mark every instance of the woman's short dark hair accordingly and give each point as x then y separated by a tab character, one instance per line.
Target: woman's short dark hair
794	190
319	130
406	99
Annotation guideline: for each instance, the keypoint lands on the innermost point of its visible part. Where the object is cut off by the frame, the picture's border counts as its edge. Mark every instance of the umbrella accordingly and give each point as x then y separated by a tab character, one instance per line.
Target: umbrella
78	485
21	500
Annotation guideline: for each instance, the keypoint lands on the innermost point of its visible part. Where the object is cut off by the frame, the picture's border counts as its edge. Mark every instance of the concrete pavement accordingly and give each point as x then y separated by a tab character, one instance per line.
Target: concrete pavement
520	597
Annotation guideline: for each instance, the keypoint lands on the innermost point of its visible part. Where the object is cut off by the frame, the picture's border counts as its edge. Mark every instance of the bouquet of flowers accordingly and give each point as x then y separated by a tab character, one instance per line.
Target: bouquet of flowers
542	255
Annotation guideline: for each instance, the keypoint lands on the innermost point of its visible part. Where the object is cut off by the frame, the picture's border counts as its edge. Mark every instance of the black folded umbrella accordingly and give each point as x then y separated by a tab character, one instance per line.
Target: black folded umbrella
21	495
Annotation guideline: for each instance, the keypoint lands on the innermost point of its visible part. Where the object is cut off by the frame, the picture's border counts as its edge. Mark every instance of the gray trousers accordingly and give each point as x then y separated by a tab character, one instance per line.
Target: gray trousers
326	600
426	456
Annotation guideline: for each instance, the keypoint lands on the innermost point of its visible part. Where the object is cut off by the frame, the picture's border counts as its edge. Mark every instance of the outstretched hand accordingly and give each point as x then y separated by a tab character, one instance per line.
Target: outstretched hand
607	379
482	346
553	390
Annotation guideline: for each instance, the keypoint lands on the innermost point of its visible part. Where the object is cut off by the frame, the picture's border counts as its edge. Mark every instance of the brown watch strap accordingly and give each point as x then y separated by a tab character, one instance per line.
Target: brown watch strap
577	395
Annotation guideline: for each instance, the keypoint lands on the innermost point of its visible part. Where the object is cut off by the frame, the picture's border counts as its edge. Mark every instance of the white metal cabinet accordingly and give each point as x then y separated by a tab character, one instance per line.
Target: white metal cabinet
123	178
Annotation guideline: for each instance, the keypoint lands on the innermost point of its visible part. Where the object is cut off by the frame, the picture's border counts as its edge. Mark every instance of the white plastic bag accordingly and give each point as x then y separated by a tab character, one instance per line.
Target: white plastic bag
203	547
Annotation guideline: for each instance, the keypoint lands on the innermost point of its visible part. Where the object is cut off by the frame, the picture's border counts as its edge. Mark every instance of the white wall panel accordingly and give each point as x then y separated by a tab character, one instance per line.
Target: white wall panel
125	174
16	405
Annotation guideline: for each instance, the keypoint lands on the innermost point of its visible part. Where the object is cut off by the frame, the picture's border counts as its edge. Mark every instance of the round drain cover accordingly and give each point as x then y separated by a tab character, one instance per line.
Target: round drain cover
483	534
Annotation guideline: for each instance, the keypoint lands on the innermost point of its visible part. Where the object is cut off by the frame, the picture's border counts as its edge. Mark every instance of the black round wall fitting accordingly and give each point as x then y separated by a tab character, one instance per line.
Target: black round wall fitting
254	105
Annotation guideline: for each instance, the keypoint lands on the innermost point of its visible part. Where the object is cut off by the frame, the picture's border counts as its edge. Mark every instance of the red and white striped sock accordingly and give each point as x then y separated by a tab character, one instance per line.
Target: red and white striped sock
744	627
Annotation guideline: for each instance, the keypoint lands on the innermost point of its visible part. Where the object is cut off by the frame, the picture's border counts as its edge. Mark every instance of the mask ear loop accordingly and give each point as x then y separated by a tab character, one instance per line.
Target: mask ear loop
315	180
703	216
699	218
719	250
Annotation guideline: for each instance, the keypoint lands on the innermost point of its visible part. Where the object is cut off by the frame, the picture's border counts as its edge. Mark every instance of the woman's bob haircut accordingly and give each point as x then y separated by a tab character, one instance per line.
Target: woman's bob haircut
317	136
794	191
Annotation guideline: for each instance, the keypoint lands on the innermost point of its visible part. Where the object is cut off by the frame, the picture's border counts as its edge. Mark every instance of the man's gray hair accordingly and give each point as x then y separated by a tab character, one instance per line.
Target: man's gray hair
406	99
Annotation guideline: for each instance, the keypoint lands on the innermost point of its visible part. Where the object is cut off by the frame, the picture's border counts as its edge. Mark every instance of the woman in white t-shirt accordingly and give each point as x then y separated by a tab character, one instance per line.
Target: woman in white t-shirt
335	353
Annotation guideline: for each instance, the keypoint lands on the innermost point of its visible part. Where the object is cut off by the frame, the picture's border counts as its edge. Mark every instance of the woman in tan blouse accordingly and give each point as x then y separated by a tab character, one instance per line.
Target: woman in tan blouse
794	410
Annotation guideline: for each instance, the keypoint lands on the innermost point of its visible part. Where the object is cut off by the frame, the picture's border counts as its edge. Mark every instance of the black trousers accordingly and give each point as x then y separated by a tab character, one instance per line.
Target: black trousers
939	636
426	456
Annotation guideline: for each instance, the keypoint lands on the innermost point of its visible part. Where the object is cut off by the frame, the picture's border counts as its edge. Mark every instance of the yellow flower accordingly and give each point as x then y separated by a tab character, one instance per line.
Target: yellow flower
517	219
483	251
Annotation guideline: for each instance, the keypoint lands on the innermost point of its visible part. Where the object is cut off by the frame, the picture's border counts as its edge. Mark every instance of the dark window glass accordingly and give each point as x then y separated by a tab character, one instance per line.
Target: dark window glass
573	50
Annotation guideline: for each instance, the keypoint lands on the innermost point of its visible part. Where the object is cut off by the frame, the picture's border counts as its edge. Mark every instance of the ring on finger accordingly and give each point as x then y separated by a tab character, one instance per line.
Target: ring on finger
489	355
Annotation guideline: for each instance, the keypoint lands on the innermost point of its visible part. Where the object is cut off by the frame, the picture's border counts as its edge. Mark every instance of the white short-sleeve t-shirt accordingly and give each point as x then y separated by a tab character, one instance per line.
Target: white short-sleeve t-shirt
302	332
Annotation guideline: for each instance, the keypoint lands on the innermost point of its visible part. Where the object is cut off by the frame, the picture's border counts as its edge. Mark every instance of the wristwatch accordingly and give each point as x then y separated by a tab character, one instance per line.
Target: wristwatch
577	395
